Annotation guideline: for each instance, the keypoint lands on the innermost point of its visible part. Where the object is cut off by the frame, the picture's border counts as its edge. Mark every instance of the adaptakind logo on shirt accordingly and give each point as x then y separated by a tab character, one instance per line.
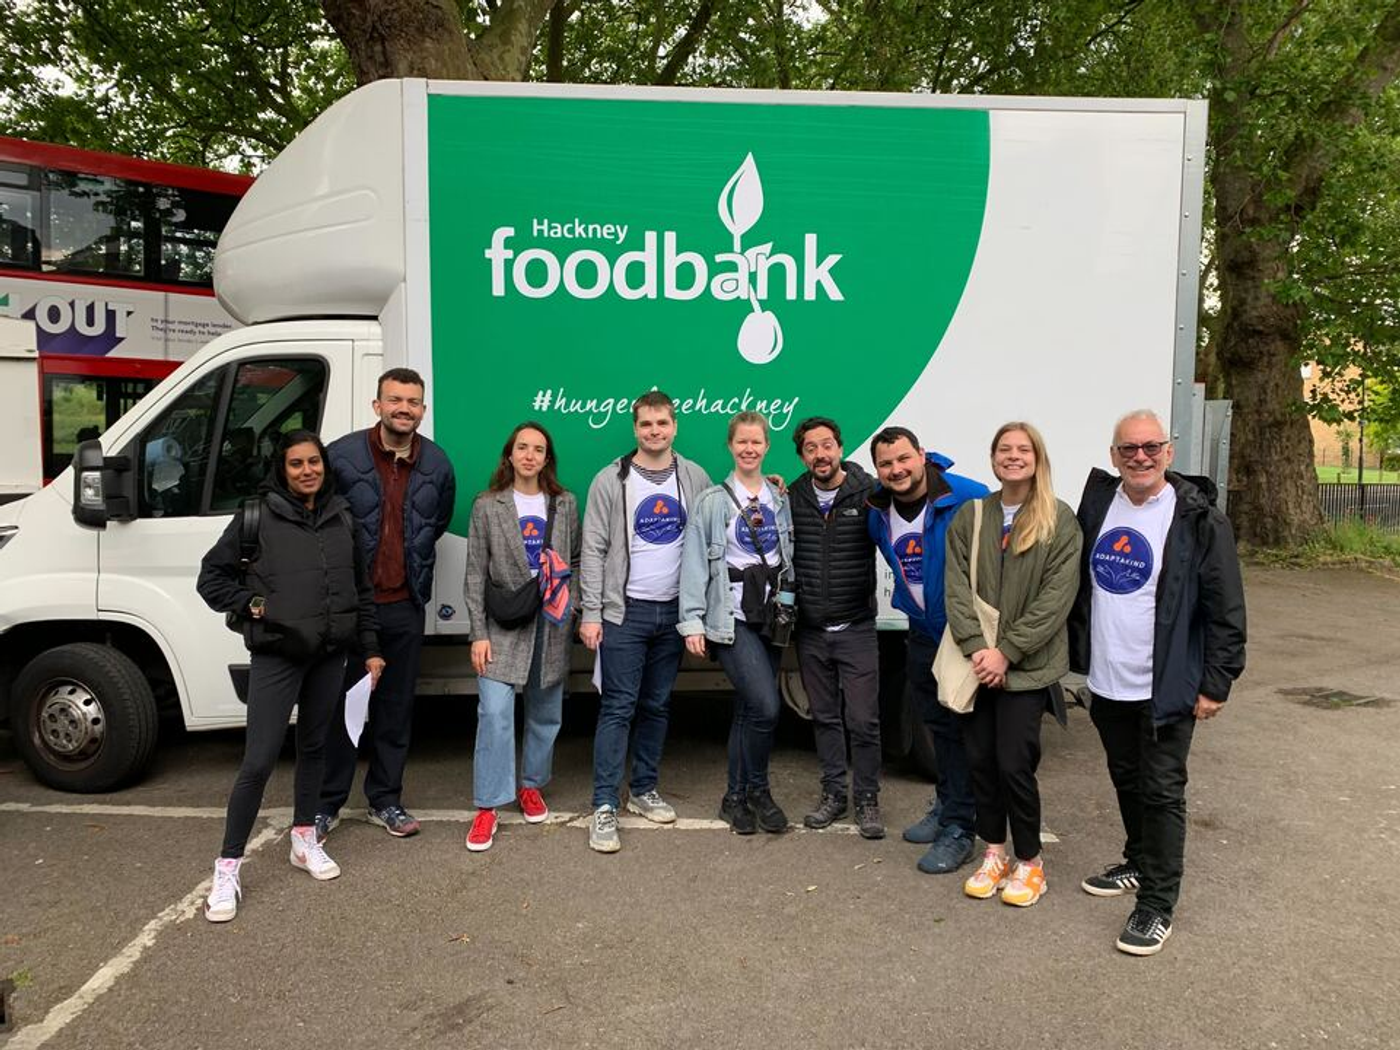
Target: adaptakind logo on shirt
659	520
910	551
532	533
1121	561
767	532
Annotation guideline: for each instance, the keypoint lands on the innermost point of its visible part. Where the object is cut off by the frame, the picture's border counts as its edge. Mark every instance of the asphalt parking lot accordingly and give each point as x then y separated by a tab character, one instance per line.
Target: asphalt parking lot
1285	936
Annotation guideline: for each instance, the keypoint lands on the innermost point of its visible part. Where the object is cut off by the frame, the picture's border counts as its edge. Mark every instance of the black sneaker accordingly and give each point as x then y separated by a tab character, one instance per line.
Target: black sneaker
770	816
830	809
868	821
325	824
1113	881
394	819
735	809
1145	932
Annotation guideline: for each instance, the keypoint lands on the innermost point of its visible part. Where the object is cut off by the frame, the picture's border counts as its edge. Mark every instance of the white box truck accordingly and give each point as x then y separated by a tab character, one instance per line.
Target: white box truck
549	252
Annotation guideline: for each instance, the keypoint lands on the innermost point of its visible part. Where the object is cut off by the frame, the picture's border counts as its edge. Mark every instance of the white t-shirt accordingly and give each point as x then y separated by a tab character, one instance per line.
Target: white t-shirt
907	542
533	512
739	550
656	523
1008	518
825	499
1126	563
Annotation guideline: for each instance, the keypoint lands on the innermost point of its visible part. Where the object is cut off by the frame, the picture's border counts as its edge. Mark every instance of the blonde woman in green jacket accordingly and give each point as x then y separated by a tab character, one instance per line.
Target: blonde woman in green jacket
1028	569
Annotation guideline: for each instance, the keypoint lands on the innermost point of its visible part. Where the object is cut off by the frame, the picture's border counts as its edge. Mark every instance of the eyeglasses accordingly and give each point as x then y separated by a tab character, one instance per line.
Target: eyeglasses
1153	449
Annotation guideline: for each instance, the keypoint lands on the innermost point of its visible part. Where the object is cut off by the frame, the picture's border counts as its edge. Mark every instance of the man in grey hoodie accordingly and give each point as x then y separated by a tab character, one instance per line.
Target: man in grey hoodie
629	576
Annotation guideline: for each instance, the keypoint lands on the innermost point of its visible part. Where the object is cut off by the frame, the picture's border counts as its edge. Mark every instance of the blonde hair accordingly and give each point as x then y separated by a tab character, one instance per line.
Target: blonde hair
751	419
1035	521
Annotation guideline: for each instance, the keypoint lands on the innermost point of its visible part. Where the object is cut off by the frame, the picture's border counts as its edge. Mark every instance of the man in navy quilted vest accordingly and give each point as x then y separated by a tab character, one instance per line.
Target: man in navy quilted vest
401	490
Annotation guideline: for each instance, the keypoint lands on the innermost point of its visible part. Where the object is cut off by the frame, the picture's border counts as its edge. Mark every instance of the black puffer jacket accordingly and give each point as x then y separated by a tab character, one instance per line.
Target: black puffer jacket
833	556
309	570
1199	629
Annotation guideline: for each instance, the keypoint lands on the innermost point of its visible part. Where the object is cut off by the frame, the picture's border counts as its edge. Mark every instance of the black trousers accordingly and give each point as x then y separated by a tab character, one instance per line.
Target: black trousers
954	781
1147	764
841	673
275	685
386	737
1002	737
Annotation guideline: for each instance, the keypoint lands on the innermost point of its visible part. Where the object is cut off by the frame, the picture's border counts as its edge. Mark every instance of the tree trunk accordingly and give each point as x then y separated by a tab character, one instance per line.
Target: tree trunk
1273	486
425	38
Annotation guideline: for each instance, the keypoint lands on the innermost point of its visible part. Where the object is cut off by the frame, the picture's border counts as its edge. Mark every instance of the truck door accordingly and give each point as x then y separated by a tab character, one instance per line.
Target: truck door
194	464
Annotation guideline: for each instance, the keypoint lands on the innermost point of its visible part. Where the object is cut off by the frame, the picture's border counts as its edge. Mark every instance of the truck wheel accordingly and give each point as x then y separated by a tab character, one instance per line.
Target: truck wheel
83	718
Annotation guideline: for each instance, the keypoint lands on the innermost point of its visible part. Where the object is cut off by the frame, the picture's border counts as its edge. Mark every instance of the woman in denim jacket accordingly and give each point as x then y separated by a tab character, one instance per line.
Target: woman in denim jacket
741	524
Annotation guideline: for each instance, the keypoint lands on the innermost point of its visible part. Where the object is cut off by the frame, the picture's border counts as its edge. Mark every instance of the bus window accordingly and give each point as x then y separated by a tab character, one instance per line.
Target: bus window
95	225
79	407
190	223
19	217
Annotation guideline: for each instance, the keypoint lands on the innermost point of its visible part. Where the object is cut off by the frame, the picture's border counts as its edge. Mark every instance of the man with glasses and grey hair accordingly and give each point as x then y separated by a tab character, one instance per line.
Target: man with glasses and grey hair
1159	628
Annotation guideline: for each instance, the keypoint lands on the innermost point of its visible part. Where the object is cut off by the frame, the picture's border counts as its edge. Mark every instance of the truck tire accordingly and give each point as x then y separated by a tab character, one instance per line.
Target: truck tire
83	718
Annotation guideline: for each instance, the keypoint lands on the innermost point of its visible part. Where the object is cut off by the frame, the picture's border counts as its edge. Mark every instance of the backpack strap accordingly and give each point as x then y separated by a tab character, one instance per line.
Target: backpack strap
249	520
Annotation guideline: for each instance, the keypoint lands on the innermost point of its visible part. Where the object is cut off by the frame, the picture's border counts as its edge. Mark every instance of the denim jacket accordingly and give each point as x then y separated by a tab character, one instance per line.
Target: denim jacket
706	599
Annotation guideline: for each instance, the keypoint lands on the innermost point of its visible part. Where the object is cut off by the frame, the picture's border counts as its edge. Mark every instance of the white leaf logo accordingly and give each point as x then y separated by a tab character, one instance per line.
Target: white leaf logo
760	337
741	200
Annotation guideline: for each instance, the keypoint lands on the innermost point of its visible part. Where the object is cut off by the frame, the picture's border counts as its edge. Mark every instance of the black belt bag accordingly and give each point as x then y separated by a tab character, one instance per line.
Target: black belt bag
514	607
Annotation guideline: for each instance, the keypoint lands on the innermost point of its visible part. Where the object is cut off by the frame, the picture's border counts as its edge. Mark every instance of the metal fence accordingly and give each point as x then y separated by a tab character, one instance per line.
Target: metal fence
1377	505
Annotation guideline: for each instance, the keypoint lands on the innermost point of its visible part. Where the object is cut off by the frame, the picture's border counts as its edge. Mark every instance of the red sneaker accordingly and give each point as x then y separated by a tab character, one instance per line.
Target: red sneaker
532	805
483	831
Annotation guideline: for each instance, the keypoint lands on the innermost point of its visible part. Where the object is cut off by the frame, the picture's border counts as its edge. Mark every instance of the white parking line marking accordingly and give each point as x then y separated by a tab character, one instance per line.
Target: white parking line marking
283	815
65	1013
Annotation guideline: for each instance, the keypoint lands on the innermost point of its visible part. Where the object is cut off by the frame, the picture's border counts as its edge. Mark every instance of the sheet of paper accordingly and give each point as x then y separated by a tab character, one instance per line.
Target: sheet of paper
598	672
357	709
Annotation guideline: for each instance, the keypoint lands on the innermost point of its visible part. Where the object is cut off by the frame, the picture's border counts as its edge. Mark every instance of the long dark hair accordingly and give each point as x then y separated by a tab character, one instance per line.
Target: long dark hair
503	477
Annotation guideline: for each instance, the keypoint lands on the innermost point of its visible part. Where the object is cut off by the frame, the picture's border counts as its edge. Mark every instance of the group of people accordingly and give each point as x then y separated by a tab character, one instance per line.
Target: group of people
1140	591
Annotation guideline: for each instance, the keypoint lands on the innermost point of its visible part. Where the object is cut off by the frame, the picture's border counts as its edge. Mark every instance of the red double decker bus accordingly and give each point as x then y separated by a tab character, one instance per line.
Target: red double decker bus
112	259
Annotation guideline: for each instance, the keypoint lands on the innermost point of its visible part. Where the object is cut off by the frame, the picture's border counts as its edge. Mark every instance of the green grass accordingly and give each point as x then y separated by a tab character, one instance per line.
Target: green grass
1348	474
1350	542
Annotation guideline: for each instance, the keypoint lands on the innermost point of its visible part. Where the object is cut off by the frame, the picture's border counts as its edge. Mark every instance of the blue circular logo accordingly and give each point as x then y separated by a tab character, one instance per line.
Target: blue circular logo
910	551
1121	561
767	531
532	533
659	520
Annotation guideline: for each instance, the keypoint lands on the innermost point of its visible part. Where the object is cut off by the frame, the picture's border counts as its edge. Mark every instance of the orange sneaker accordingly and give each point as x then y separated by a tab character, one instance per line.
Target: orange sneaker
1027	885
990	877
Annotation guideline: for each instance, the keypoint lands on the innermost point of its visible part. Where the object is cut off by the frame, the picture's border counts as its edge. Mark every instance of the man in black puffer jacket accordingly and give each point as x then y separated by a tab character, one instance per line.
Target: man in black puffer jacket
834	562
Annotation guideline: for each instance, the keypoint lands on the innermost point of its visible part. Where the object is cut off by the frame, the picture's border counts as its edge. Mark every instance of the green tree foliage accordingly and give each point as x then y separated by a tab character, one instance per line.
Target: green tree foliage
210	82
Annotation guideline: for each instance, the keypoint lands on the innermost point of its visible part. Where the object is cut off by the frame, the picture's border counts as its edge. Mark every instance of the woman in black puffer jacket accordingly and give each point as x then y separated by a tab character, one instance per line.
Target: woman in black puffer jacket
304	600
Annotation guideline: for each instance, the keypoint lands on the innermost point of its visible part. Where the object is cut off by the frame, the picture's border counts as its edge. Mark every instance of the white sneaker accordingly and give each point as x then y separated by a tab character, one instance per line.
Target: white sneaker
652	806
310	856
222	903
602	833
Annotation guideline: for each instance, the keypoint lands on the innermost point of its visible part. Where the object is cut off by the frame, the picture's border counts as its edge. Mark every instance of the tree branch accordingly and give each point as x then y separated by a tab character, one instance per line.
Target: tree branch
689	41
1276	41
504	49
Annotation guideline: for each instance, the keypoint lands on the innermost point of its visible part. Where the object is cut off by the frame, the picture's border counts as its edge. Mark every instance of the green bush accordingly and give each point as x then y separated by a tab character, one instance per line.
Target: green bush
1349	542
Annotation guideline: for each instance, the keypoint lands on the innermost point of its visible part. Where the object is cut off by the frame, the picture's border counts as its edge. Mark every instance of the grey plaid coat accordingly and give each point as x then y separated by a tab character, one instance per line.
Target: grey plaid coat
495	551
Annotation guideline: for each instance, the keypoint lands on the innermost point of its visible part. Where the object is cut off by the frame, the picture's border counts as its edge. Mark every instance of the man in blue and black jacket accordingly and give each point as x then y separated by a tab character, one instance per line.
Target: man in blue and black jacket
908	517
401	489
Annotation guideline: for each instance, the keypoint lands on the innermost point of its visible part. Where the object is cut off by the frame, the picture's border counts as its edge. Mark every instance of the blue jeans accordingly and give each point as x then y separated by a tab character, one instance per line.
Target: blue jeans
954	778
493	765
752	666
640	658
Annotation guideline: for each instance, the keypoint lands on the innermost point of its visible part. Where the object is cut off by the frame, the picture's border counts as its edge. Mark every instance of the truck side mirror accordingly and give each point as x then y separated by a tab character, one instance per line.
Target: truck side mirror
99	494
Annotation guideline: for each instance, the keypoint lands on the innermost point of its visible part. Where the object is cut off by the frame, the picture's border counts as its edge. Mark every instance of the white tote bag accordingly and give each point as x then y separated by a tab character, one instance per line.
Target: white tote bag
957	681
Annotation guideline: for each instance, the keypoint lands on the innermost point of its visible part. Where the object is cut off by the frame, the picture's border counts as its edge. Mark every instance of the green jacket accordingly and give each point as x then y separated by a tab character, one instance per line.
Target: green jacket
1033	591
